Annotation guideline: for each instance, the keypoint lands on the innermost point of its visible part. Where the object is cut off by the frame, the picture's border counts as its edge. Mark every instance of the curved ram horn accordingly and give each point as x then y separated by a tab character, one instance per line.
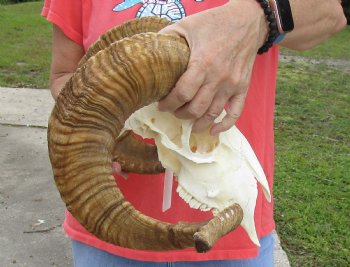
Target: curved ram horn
132	154
85	122
127	29
135	155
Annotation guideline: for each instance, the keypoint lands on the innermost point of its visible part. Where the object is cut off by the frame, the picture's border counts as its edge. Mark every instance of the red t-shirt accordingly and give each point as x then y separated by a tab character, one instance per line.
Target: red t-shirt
84	22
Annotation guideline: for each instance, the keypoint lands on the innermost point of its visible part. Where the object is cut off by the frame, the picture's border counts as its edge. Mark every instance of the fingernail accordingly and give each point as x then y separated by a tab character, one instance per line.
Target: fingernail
115	167
214	131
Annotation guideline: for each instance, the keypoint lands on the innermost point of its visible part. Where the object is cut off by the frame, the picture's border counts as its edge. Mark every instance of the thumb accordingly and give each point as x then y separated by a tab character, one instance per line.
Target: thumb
171	29
176	29
117	170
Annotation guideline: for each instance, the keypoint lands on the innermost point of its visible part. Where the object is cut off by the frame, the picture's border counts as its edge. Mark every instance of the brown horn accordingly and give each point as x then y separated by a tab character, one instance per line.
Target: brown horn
132	154
135	155
85	122
127	29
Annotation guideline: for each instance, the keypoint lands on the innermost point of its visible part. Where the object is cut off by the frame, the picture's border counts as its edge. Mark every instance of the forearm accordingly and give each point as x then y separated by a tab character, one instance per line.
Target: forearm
65	59
314	22
57	83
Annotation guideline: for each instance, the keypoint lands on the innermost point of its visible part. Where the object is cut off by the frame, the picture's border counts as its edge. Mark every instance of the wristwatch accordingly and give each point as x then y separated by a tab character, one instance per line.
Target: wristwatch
283	14
346	7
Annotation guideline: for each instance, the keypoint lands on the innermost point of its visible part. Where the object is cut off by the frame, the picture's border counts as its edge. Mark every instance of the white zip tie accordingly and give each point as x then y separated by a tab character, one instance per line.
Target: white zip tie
168	188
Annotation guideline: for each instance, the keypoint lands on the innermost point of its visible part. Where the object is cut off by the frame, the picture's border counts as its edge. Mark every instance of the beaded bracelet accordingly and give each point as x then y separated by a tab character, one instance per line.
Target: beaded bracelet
273	31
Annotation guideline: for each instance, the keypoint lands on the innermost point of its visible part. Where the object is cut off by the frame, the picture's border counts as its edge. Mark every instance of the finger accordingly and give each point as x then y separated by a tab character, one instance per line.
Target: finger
214	111
172	29
117	170
198	105
185	89
234	110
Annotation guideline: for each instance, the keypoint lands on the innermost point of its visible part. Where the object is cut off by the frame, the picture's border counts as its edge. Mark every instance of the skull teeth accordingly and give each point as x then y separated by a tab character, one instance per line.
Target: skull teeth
188	198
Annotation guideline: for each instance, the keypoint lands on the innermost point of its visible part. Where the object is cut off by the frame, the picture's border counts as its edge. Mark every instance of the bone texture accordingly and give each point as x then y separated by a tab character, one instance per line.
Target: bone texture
84	126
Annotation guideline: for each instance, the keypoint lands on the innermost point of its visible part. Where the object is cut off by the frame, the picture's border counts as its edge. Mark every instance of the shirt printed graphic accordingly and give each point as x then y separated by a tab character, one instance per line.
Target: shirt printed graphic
172	10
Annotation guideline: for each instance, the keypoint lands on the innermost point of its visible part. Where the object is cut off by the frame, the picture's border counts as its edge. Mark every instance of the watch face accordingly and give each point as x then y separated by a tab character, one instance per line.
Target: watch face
285	15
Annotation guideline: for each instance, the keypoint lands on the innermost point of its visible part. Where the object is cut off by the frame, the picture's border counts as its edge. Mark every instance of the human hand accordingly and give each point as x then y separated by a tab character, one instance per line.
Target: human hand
224	42
117	170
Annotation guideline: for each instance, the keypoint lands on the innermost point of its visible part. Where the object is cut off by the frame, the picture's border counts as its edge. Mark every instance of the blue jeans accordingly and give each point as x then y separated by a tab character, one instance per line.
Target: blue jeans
87	256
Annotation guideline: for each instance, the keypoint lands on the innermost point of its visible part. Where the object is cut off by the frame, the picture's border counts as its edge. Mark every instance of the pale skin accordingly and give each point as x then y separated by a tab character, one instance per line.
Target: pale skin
223	42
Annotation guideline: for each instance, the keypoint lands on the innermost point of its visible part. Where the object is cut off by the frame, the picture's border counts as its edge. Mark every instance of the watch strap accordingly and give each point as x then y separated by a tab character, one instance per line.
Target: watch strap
283	14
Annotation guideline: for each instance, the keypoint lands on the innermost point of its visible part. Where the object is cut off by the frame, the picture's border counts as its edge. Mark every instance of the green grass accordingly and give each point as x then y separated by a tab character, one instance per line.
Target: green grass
10	2
312	189
312	185
25	53
25	46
